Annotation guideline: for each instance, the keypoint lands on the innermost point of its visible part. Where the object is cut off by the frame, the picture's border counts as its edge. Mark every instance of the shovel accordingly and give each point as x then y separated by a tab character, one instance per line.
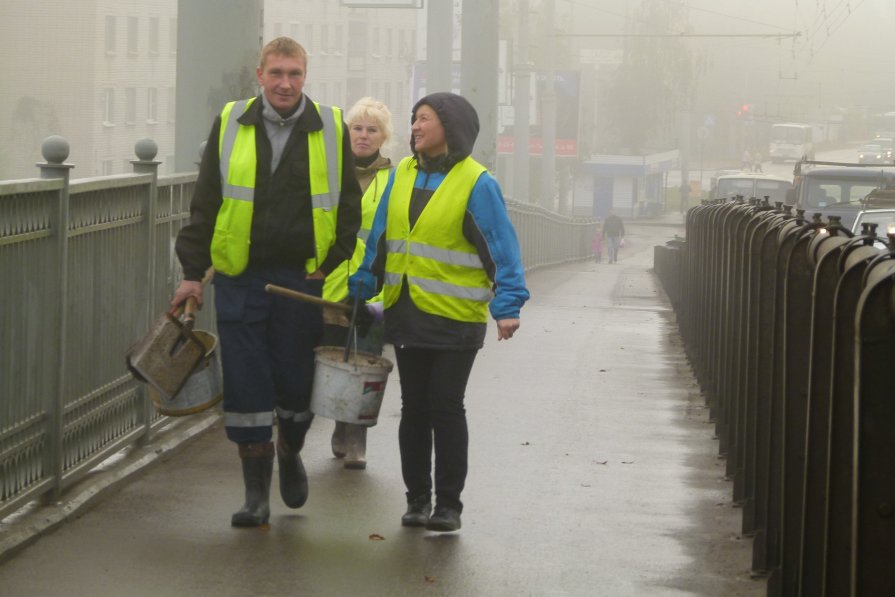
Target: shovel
169	351
310	298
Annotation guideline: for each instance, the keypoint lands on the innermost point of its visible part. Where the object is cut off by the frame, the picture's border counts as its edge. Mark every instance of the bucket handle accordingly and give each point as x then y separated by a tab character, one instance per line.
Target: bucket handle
351	325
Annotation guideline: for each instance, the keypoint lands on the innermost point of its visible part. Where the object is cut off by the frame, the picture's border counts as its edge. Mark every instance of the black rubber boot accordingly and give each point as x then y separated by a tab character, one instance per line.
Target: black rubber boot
257	470
293	478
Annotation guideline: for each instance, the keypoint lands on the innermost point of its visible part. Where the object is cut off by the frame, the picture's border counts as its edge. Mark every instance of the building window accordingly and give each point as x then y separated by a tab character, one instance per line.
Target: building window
110	35
308	42
324	38
153	36
337	39
152	105
172	37
388	43
338	97
374	42
108	107
132	36
172	104
108	167
277	30
130	105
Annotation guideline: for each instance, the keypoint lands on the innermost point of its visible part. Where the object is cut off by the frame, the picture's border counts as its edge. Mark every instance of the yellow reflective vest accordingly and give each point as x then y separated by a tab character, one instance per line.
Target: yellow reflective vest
336	286
236	146
444	273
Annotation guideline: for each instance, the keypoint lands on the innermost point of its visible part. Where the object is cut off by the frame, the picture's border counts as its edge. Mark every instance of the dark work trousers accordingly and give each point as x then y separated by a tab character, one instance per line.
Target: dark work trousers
267	353
433	385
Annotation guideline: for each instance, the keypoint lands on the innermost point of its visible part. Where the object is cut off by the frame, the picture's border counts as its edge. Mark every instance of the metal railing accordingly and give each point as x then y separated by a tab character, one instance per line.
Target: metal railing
789	325
86	266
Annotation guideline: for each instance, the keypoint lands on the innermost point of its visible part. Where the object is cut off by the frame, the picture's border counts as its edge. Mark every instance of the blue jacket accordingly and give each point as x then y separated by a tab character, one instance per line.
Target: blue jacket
487	226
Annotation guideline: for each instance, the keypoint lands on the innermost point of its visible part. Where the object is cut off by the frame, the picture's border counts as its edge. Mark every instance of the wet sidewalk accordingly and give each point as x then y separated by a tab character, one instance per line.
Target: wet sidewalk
592	472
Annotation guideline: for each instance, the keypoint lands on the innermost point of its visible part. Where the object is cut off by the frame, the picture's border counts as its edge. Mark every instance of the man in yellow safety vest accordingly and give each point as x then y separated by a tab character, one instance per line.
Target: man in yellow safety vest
276	202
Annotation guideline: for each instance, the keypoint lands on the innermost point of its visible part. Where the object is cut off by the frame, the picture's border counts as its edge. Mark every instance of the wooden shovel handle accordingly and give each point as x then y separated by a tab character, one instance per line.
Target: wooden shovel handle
308	298
189	312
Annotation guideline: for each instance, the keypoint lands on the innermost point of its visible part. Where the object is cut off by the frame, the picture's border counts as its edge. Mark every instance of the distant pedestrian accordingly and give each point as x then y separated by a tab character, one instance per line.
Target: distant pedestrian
746	162
756	161
685	197
597	245
613	232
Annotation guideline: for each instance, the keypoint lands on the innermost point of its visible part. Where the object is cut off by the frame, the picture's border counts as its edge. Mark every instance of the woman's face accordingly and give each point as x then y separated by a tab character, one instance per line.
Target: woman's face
366	137
429	138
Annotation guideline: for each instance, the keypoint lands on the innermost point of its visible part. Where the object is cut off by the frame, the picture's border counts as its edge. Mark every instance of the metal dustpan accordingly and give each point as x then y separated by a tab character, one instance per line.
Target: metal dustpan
166	356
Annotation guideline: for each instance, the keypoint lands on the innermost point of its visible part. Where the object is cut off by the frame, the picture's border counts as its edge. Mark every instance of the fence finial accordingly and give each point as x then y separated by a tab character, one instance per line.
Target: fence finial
55	149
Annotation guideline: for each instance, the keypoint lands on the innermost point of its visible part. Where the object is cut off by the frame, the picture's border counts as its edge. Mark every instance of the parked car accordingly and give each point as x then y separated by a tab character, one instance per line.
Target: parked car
751	184
872	153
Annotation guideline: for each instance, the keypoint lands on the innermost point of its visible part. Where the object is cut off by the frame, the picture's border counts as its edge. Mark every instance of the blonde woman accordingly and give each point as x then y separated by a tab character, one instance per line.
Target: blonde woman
370	128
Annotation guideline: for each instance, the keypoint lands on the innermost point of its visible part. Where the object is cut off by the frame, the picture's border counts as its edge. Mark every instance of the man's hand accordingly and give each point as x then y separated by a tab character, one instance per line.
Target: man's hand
318	275
187	289
506	328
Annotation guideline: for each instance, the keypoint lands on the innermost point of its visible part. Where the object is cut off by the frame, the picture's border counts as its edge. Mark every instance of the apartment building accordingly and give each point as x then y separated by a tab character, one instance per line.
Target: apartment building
354	52
100	73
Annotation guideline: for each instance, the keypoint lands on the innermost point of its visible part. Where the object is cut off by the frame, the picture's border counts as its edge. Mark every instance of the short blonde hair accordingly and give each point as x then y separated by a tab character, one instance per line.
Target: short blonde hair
372	109
283	46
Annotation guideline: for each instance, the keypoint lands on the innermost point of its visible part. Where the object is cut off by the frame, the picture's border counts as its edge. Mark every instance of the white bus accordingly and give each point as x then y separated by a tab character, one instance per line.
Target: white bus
791	141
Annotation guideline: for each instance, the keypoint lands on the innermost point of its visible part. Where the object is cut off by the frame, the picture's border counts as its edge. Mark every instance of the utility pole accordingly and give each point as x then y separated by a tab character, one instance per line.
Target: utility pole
521	112
439	45
548	110
215	64
478	73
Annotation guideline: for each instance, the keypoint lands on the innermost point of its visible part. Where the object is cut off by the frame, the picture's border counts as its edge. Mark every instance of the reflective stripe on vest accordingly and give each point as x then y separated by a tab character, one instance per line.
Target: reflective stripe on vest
238	160
444	273
335	288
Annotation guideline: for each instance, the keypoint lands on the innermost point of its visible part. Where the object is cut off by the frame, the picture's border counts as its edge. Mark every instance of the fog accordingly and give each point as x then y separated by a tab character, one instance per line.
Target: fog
649	75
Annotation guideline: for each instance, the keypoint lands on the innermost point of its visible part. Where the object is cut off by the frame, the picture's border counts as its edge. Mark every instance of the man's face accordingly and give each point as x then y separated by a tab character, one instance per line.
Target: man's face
282	80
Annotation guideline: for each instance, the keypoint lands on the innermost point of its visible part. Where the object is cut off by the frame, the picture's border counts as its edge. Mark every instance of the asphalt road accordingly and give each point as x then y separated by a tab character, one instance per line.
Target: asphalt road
593	471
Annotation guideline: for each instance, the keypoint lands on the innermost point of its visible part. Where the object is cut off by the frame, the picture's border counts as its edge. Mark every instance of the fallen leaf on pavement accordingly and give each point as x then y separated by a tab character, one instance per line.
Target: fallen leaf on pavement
376	537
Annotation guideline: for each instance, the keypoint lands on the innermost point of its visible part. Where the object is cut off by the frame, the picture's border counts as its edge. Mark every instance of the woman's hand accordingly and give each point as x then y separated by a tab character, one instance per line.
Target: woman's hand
506	328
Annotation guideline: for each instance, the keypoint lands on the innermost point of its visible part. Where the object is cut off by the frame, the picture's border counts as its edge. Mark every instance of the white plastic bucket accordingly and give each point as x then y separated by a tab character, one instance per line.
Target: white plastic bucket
349	392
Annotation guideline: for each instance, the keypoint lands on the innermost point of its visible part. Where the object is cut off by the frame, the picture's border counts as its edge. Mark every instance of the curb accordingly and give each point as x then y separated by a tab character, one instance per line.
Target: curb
28	526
